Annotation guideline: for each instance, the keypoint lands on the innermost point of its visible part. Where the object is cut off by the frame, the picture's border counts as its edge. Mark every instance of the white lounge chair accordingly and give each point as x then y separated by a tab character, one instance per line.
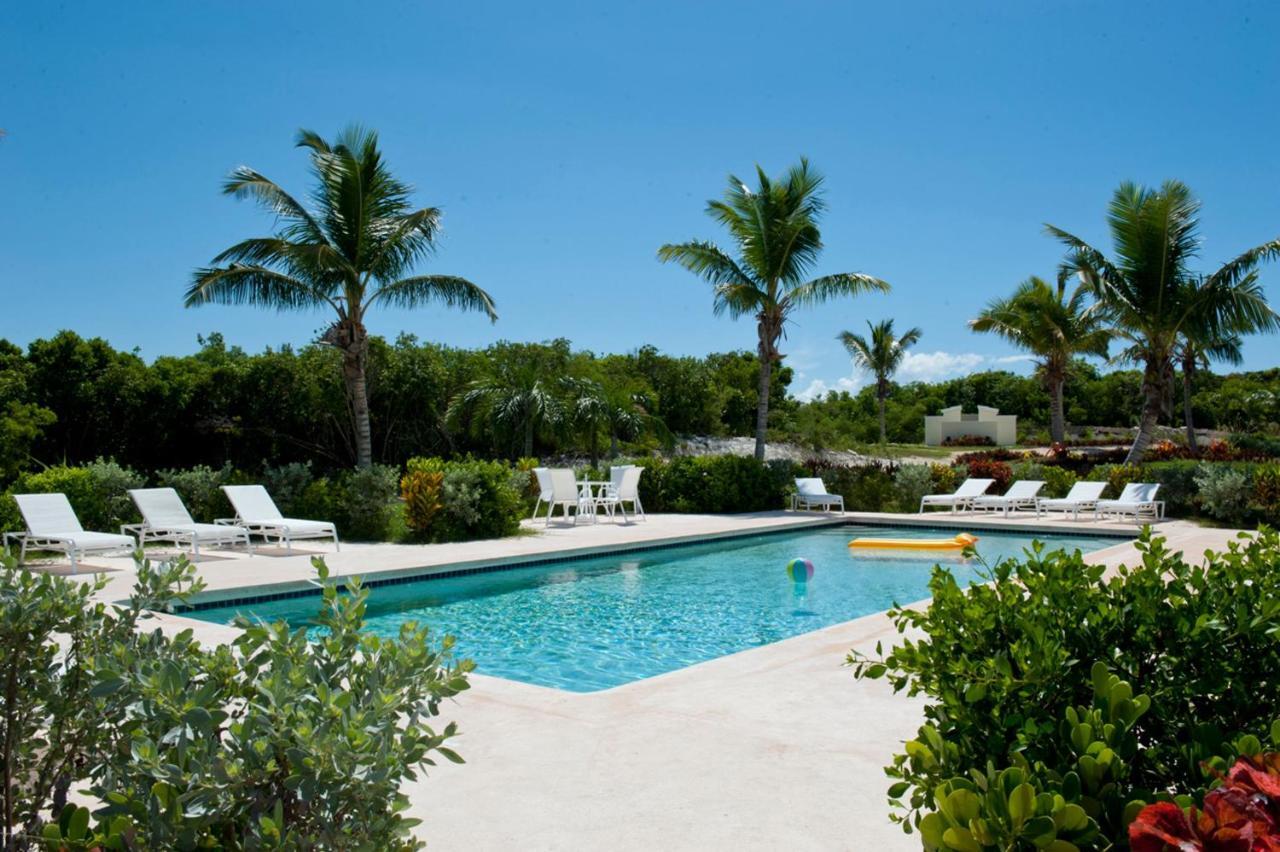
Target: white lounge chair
963	497
565	493
623	488
544	490
257	512
812	492
1082	497
164	518
1137	499
1021	495
52	525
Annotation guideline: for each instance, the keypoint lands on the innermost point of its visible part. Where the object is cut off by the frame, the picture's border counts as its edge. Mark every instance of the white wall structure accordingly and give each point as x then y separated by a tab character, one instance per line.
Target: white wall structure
987	423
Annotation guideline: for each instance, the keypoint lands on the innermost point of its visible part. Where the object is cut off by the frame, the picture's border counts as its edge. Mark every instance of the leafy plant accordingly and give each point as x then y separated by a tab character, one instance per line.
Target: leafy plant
995	659
1224	492
200	488
913	481
476	499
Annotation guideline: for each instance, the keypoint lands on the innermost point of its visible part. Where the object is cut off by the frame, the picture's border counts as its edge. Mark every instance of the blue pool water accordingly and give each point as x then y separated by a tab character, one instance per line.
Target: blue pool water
592	624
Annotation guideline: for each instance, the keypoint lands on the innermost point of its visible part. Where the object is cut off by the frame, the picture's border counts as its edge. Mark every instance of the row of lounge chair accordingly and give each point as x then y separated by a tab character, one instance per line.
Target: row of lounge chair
1138	500
52	524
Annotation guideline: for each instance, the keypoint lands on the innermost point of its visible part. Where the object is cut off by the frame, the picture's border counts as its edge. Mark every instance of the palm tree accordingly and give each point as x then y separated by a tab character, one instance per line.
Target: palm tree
517	401
352	252
588	411
775	231
1055	327
881	355
1143	289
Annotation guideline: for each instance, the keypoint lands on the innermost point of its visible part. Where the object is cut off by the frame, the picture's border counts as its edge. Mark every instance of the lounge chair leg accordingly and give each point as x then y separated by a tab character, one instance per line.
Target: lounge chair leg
72	554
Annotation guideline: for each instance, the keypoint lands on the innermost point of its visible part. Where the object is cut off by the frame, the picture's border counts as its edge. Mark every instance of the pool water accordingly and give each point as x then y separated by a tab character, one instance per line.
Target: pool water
597	623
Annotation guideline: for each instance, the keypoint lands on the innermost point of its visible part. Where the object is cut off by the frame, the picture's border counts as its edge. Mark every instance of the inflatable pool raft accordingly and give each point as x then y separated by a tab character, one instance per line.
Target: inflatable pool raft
960	542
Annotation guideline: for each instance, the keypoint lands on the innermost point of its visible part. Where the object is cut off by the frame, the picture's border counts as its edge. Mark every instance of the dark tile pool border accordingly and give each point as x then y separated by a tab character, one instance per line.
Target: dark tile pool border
412	576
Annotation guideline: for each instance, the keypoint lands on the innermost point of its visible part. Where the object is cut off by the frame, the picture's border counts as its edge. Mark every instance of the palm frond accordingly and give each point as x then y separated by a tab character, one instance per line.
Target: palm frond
828	287
243	284
450	290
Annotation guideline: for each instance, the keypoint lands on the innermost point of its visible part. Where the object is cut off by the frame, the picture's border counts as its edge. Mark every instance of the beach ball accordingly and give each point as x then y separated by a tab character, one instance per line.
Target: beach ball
800	570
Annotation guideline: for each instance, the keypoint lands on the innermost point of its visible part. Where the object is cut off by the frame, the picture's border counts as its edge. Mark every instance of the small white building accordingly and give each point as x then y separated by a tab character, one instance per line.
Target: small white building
954	423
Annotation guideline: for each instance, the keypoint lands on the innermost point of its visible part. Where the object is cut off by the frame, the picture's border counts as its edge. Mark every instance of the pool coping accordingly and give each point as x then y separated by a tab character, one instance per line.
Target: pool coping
411	574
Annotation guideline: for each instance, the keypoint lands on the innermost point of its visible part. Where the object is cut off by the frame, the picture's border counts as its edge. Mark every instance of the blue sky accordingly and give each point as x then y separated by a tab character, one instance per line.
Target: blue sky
566	142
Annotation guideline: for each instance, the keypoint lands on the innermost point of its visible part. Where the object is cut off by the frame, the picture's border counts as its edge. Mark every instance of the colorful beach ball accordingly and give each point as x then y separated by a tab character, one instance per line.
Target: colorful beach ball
800	570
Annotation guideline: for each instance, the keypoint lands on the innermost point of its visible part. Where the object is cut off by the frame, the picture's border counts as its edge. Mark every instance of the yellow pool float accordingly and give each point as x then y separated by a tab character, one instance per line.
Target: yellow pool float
960	542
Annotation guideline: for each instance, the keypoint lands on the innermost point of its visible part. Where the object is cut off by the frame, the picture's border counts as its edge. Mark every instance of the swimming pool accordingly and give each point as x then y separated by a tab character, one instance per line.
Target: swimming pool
595	623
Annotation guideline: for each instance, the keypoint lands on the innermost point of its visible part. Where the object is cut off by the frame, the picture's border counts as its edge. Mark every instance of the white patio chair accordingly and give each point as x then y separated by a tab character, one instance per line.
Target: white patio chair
1137	499
1082	497
52	525
963	497
257	512
565	493
164	518
544	490
1021	495
812	492
623	488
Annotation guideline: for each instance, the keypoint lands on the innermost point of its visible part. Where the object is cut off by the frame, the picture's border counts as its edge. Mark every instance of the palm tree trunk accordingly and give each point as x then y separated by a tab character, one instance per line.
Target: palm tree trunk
762	405
354	346
1153	402
613	445
1187	416
595	447
528	438
1057	419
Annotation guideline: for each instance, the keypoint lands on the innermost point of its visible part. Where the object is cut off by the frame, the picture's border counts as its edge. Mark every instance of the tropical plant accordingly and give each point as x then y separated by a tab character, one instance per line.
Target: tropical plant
880	355
1055	327
518	401
589	411
1144	287
350	254
775	230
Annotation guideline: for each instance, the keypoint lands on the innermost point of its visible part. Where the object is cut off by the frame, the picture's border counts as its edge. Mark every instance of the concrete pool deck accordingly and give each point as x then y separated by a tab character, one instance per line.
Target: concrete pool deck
773	747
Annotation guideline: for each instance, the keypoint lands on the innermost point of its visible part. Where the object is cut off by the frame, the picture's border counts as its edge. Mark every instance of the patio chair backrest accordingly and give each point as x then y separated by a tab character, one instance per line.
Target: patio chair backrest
252	503
811	487
1138	492
628	487
973	487
544	482
1024	488
47	514
615	475
1086	491
161	507
563	485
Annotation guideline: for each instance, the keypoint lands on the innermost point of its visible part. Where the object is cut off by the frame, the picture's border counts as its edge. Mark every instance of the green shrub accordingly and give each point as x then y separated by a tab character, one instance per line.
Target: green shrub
997	662
715	484
1030	470
200	488
945	478
913	481
1057	481
477	499
281	740
1225	492
365	503
287	484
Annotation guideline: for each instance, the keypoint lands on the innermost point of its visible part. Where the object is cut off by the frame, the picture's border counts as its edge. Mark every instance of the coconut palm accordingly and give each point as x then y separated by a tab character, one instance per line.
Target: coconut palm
880	355
1053	325
1142	287
774	229
352	251
517	401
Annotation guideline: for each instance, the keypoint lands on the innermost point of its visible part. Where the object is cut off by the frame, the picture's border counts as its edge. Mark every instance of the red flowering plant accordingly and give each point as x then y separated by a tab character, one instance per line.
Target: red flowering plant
1241	815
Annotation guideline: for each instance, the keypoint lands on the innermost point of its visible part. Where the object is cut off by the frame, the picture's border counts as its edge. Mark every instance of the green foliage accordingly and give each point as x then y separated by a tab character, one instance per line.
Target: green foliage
98	492
1057	480
21	424
913	481
365	503
1224	492
997	661
282	740
476	499
287	483
714	484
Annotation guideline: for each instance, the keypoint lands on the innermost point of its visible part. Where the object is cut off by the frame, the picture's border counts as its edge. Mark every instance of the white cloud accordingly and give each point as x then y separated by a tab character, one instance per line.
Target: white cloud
917	367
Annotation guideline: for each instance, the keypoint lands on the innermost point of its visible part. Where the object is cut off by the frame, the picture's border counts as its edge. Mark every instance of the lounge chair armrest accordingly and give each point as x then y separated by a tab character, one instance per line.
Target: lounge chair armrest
227	522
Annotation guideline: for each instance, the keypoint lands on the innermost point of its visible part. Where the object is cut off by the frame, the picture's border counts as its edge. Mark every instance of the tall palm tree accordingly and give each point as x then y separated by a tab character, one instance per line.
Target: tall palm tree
588	411
1143	286
352	251
1055	327
516	401
775	231
881	355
